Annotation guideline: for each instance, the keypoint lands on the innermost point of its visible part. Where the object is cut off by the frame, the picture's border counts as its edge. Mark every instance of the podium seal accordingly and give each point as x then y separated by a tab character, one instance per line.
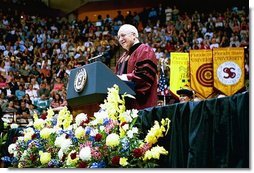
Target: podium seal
80	80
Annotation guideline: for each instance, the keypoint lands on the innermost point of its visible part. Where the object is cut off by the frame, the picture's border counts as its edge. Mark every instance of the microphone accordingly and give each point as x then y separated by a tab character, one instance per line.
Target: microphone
100	55
95	57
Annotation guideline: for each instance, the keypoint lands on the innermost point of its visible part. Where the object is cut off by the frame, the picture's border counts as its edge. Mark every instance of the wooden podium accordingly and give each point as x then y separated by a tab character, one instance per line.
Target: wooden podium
88	86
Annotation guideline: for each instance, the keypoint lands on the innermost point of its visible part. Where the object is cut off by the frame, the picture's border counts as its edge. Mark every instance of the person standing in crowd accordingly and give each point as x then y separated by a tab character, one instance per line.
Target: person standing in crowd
138	64
185	95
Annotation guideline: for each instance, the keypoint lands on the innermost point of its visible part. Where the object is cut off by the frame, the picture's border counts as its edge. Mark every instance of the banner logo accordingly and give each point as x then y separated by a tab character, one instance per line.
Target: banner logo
204	75
229	73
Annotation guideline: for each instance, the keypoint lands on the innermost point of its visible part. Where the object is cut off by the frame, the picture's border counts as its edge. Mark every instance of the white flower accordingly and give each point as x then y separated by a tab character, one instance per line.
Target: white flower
102	128
130	133
12	148
127	116
63	143
135	130
29	130
100	116
85	154
94	132
134	113
59	140
20	138
60	154
75	126
66	145
125	127
80	117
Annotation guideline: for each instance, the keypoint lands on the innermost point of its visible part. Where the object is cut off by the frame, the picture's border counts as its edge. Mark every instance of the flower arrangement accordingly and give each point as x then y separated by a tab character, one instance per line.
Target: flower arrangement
109	139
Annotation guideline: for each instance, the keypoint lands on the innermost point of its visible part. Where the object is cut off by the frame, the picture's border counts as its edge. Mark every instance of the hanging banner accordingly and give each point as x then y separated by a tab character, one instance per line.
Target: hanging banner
228	69
201	72
179	71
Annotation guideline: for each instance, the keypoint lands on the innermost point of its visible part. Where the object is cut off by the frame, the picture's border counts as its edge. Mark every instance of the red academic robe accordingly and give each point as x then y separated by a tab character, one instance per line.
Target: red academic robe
142	70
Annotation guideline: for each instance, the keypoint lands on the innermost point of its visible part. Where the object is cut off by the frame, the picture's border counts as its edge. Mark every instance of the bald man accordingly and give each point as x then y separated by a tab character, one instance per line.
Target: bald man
139	65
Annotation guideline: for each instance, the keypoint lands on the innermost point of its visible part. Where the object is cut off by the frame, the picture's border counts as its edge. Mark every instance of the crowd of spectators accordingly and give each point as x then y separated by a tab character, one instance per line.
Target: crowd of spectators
37	53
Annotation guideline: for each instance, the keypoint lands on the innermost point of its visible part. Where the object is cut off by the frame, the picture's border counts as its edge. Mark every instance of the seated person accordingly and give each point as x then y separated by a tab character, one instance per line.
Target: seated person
58	85
8	110
23	113
185	95
32	108
20	92
9	107
58	102
42	104
43	90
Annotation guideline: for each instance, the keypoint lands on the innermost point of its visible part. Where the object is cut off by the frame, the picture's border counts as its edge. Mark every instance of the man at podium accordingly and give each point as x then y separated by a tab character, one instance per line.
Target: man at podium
138	64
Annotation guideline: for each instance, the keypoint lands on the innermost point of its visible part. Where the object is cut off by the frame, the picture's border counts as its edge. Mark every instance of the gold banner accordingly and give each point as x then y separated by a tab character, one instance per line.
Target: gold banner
179	71
201	72
228	69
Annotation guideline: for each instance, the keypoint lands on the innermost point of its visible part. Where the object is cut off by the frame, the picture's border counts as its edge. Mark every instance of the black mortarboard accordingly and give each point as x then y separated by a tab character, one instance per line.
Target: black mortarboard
185	92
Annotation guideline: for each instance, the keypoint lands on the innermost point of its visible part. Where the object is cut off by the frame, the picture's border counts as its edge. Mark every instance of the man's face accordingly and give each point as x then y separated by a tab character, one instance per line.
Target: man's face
126	39
184	98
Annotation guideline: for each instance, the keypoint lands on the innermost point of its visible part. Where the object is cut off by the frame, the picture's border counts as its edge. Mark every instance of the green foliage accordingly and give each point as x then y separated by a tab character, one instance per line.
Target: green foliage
3	138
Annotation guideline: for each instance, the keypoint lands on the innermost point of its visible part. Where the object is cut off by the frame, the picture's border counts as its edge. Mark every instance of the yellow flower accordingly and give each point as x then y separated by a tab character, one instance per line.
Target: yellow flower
156	132
45	157
39	124
150	138
35	116
28	133
79	132
155	153
113	105
20	165
64	118
122	108
121	118
50	113
45	133
123	161
122	132
112	140
166	123
148	155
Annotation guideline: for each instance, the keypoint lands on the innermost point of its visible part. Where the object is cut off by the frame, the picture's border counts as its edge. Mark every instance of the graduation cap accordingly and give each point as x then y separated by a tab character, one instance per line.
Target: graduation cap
185	92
